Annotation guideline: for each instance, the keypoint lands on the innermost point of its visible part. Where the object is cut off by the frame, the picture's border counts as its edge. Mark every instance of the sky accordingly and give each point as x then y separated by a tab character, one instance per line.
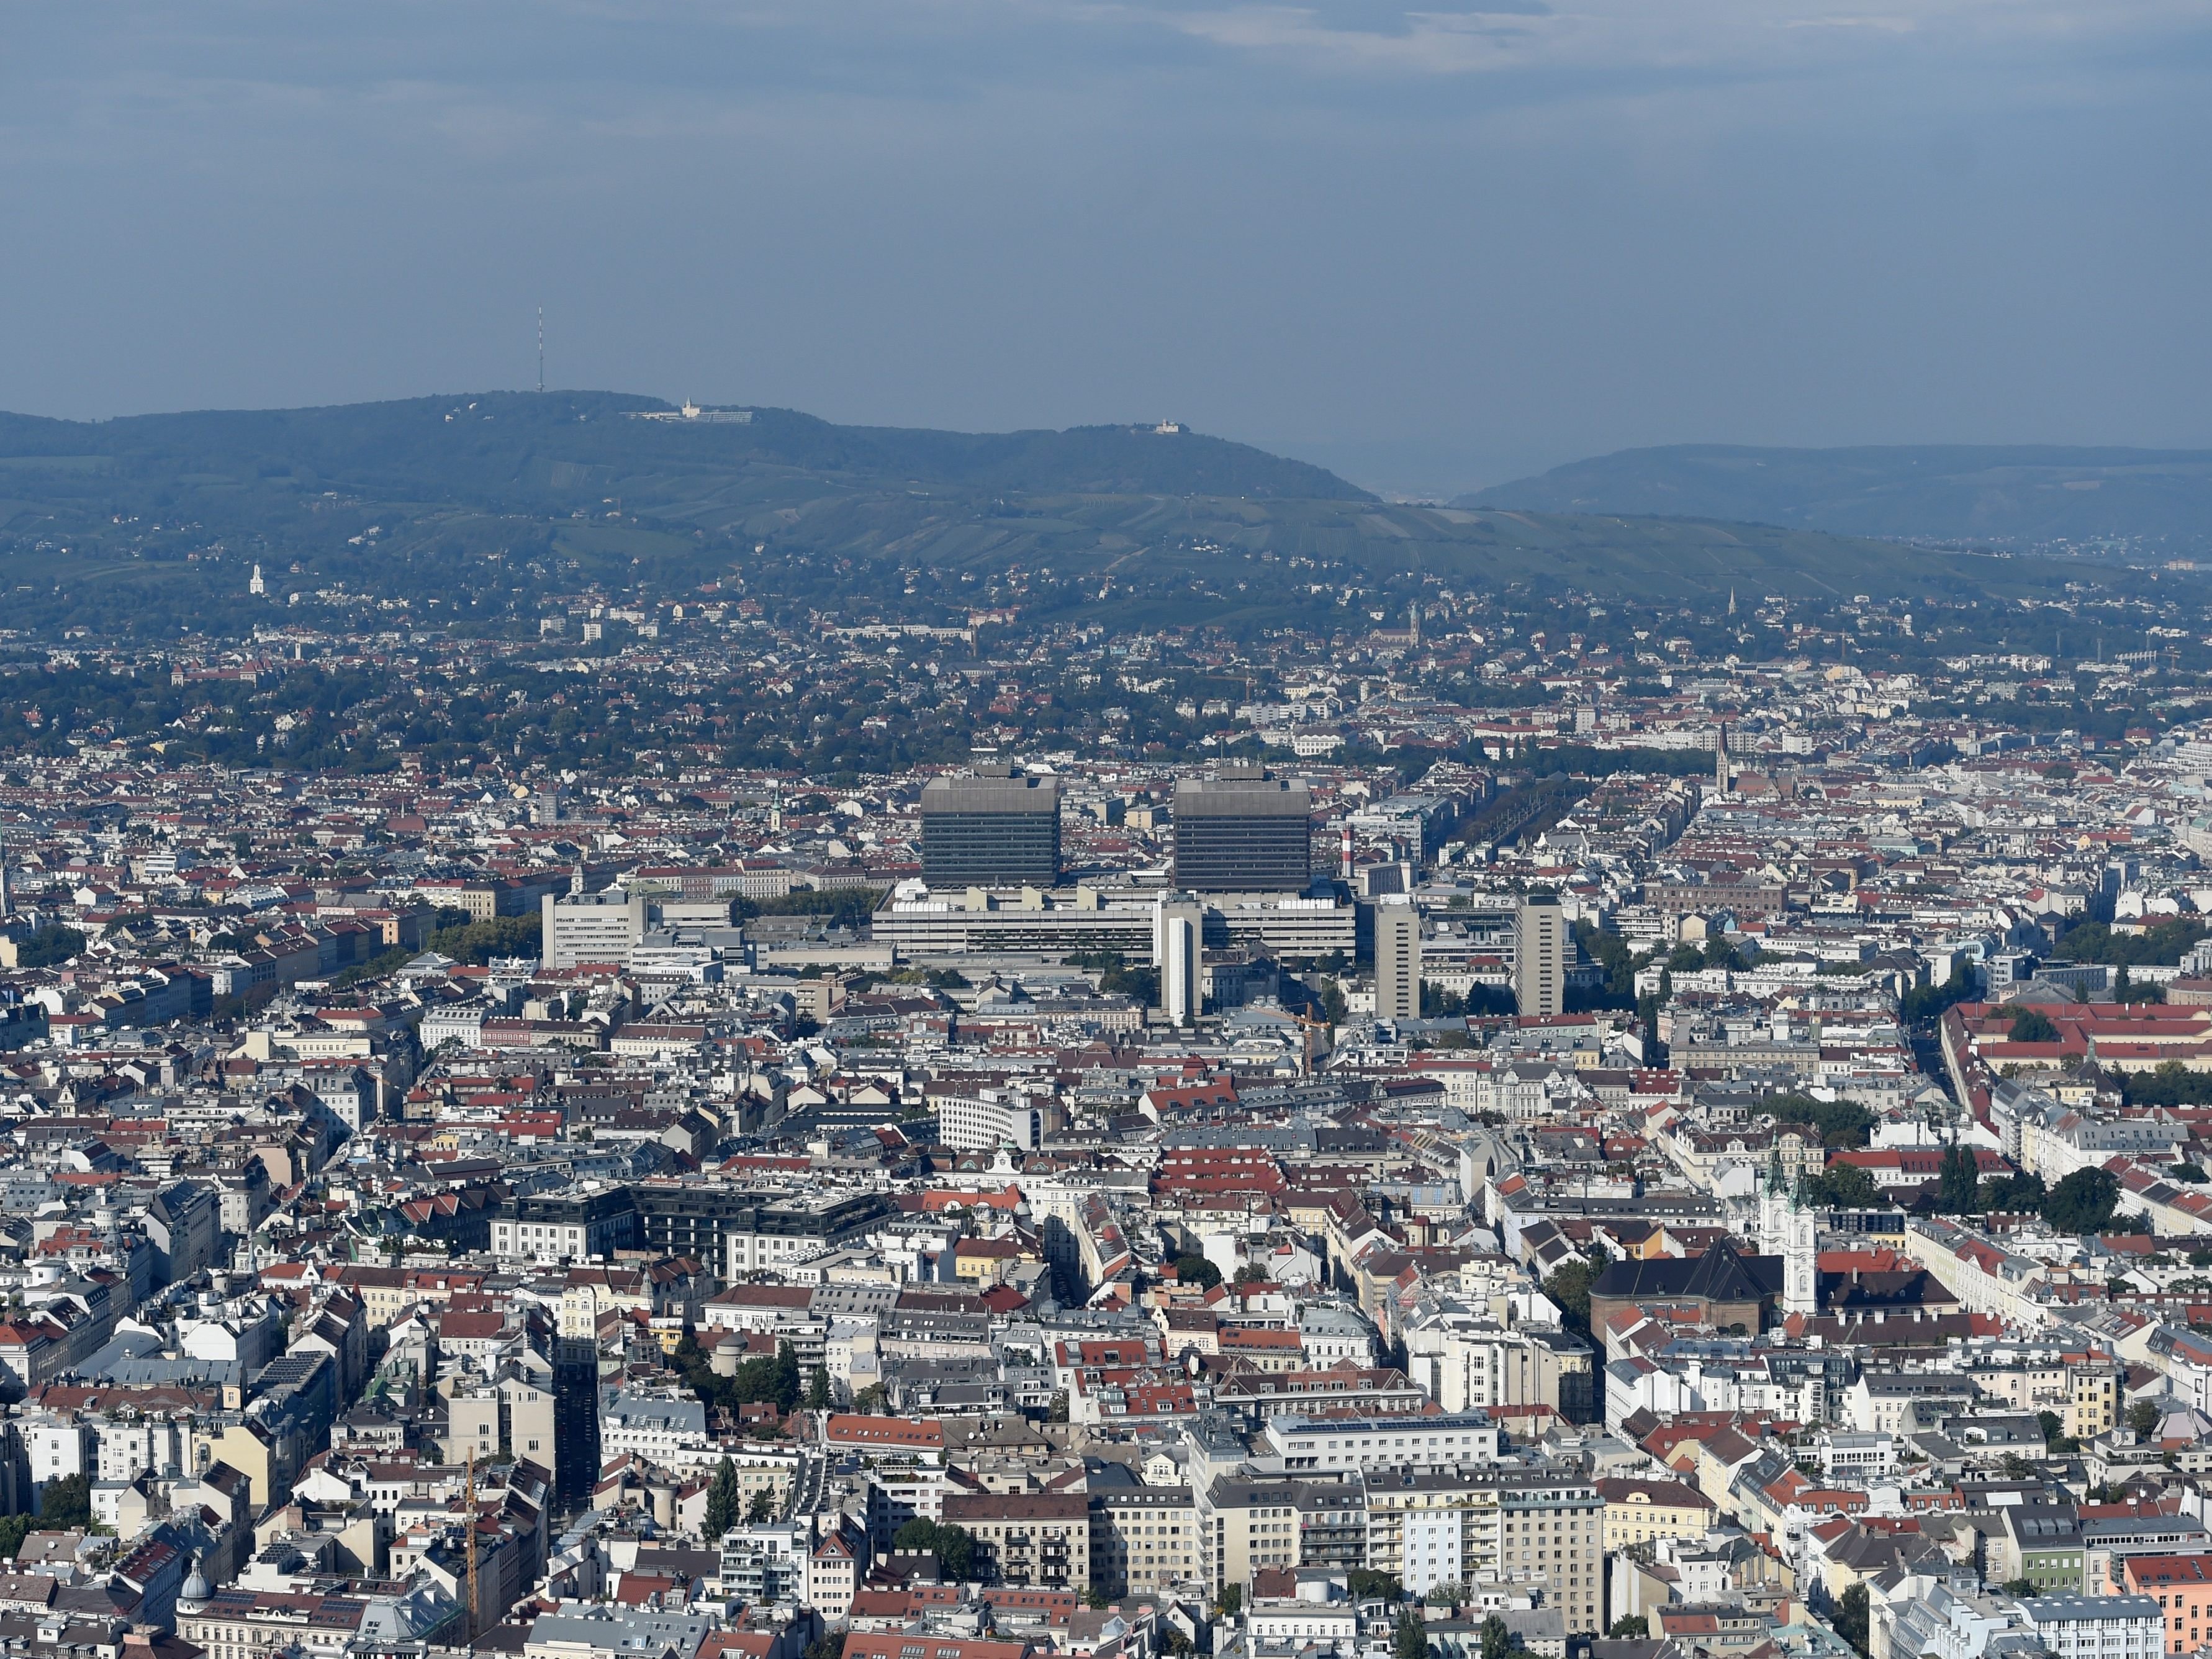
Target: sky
1434	249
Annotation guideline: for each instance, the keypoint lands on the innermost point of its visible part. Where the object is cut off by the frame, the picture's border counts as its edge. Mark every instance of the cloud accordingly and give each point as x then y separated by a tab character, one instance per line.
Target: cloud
1694	36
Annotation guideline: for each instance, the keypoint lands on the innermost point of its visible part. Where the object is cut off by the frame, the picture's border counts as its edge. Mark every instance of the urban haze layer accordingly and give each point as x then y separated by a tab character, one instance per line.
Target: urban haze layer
656	1033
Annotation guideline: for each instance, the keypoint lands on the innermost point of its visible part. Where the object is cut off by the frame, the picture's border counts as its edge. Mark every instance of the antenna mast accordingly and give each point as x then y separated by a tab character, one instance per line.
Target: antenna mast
541	349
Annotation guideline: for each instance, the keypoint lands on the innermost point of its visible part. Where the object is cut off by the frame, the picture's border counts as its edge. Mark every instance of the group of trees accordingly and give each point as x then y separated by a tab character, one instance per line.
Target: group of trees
2163	943
1116	978
1925	1002
1840	1186
2170	1084
1842	1124
725	1501
953	1547
776	1380
63	1504
2084	1202
45	947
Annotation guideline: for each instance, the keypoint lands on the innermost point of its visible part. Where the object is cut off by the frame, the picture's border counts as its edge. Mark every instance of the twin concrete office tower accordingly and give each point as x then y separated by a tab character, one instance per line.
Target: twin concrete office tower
1240	831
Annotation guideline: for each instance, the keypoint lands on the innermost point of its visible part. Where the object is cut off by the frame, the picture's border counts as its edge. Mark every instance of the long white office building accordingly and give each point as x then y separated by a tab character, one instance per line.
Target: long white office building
1057	922
1334	1444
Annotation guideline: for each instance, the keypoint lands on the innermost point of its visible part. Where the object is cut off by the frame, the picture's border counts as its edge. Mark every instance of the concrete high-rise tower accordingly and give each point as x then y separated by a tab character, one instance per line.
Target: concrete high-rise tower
1397	959
1242	831
998	829
1178	936
1540	957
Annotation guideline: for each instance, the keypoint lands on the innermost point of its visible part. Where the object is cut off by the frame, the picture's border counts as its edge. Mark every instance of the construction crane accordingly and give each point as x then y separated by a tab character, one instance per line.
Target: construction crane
469	1502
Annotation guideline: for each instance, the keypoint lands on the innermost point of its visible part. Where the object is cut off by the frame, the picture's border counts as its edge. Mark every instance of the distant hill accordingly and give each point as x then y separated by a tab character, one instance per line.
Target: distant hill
2022	496
522	446
483	507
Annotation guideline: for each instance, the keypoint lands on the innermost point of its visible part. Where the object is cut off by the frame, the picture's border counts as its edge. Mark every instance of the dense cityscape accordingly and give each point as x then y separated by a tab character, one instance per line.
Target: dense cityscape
674	1126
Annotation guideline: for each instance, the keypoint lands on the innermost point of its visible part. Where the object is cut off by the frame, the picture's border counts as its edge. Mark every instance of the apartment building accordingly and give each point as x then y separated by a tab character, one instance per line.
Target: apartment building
1033	1539
1144	1540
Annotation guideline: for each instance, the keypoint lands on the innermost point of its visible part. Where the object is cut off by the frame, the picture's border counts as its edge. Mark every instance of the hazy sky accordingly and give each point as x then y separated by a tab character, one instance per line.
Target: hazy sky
1431	247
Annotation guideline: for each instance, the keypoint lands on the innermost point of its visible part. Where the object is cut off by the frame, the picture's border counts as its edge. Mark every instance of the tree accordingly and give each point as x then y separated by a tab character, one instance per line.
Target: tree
1233	1600
47	946
1497	1640
2083	1202
1569	1286
953	1547
723	1500
2013	1191
1841	1187
1928	1001
1853	1617
762	1508
817	1389
1333	1006
2143	1417
1410	1639
1635	1627
1842	1124
1195	1269
2033	1025
1095	1598
1250	1273
2169	1084
14	1529
870	1400
66	1503
2022	1587
1957	1182
2051	1423
1366	1584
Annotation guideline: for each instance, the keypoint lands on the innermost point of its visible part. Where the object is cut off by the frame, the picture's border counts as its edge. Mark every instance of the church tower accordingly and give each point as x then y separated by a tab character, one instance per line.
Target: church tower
1721	761
1800	1261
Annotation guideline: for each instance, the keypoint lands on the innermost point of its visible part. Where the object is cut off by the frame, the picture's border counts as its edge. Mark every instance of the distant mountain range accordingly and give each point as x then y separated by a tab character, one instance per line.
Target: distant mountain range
482	506
2155	501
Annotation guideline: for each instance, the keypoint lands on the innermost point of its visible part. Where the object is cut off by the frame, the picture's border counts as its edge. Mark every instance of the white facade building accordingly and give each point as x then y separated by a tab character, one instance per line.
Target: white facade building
976	1125
2099	1626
